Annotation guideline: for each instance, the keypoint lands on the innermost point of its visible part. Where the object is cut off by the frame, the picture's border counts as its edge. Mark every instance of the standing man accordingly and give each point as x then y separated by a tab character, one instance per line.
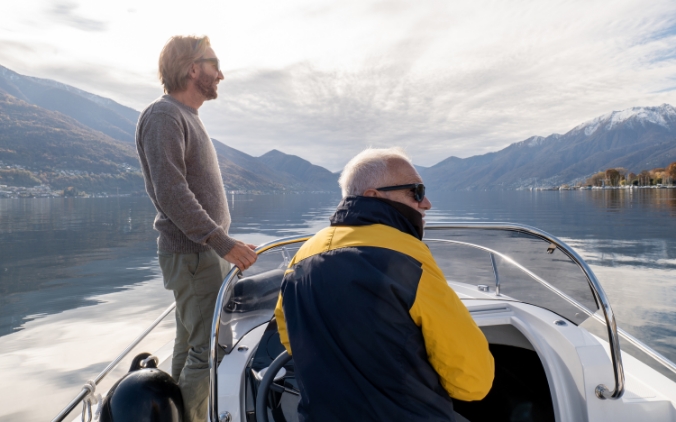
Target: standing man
183	180
376	332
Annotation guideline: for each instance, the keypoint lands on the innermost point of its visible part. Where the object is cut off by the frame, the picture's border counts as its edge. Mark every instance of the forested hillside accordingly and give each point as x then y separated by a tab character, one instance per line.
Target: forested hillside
39	146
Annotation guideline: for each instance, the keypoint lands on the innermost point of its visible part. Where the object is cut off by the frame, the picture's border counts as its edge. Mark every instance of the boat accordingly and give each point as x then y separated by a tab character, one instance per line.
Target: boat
558	352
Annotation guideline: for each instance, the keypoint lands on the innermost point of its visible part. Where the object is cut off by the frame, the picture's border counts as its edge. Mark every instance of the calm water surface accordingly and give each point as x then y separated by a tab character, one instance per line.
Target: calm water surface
79	277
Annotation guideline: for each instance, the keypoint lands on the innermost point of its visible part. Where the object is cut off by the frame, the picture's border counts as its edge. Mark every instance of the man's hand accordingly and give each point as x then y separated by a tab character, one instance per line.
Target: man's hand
242	255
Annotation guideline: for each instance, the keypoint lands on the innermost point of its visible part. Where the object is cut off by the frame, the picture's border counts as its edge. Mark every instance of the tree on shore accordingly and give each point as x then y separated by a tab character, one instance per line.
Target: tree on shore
631	177
620	176
670	172
70	192
613	177
597	179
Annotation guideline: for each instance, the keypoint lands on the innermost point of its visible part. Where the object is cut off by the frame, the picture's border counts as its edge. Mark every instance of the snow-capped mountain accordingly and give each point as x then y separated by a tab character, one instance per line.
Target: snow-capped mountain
637	138
664	115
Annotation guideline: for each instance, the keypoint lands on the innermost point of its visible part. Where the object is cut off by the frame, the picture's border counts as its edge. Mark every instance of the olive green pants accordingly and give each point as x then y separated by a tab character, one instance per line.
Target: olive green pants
195	280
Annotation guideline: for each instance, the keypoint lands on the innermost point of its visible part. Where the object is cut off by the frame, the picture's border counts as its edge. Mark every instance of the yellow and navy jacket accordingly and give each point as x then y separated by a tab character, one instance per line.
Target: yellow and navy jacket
375	331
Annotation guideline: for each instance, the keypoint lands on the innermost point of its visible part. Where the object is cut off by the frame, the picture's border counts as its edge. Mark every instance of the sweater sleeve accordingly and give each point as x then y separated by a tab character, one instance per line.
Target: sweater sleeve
163	145
456	347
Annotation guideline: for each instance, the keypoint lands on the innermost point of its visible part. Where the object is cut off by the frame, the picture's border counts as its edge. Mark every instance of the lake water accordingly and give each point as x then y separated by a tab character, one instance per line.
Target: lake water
79	278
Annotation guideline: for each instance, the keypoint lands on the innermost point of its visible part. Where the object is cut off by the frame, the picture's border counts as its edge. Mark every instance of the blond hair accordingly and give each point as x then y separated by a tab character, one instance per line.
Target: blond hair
176	58
369	168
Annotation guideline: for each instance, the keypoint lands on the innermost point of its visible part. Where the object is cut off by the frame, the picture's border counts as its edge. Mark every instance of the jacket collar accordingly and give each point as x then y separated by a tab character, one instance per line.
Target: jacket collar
364	211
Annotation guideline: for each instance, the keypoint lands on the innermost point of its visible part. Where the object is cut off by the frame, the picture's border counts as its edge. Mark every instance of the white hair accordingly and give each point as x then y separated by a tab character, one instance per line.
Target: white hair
368	169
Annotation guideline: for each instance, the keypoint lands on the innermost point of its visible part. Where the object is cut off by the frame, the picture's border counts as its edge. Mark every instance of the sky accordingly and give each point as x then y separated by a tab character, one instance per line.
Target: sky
325	79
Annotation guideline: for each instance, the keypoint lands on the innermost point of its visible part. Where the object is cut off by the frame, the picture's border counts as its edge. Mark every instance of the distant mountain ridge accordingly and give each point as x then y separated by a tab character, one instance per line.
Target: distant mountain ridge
275	169
64	136
60	131
98	113
316	177
637	138
47	147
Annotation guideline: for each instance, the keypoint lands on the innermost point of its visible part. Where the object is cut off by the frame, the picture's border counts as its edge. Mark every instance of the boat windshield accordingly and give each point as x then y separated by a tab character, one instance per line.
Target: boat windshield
552	280
526	268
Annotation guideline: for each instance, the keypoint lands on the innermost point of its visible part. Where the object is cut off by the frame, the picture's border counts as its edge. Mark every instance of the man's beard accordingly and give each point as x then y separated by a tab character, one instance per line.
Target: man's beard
205	84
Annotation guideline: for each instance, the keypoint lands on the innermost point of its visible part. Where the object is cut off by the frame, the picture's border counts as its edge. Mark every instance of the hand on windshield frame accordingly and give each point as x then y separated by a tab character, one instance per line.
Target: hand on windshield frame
241	255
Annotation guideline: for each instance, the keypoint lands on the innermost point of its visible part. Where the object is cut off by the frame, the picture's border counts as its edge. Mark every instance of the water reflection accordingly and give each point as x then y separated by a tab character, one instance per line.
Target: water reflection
59	257
268	217
633	225
614	200
58	253
55	355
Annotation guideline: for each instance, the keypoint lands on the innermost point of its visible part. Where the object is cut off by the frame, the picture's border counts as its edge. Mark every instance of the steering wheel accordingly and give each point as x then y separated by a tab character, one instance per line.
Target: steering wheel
267	383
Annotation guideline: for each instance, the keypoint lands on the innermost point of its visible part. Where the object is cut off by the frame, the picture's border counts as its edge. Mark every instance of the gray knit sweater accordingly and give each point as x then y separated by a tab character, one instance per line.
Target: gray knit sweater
182	178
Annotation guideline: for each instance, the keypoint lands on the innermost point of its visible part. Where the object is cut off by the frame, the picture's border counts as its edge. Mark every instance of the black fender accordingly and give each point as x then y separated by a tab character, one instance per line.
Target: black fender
145	394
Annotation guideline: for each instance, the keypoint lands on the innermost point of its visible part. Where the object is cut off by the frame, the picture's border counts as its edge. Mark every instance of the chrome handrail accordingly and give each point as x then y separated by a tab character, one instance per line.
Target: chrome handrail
86	389
216	322
601	391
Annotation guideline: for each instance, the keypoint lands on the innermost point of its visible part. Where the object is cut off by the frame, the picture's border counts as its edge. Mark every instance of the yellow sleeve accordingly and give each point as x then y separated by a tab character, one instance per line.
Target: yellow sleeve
456	347
281	325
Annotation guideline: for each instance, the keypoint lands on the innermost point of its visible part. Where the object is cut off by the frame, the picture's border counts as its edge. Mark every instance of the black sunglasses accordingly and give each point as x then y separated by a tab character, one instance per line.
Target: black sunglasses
418	190
212	60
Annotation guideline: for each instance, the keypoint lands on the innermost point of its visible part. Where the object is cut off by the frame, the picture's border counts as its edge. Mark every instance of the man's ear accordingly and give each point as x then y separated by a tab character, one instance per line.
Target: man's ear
192	73
371	192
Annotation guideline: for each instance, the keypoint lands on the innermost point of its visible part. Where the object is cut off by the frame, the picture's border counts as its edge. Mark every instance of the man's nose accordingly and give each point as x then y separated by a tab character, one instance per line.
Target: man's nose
425	204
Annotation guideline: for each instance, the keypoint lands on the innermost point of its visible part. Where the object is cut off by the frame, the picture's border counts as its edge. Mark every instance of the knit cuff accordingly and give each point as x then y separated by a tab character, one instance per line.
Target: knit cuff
221	242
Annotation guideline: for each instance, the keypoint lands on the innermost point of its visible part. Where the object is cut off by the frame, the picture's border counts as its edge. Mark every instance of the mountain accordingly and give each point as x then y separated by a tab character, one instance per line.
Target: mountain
55	134
98	113
240	171
276	169
302	171
636	139
243	171
39	146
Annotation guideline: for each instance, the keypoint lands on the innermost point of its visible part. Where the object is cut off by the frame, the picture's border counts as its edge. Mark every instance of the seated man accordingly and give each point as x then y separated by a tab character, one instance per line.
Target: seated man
376	332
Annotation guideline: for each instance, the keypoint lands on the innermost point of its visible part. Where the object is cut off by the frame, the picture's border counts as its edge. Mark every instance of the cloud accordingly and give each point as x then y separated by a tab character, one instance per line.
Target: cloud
8	47
329	116
486	84
671	88
439	78
65	13
127	88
